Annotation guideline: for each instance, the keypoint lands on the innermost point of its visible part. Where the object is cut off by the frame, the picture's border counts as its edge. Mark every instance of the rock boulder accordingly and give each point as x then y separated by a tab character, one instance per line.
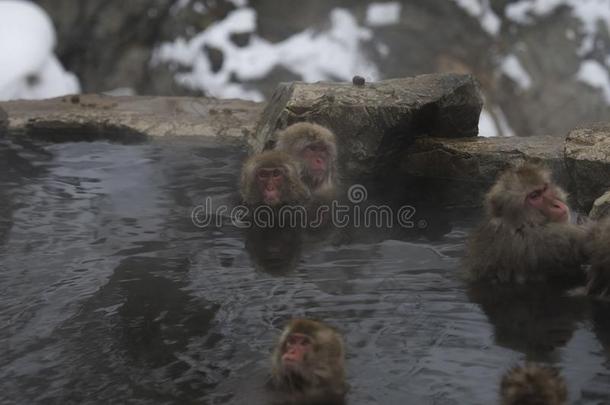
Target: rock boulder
375	122
587	157
601	207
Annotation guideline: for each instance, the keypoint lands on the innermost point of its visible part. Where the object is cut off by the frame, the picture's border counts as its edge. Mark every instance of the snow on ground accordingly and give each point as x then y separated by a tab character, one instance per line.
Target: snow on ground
29	69
382	14
511	67
315	56
594	15
492	122
481	10
487	126
595	75
591	13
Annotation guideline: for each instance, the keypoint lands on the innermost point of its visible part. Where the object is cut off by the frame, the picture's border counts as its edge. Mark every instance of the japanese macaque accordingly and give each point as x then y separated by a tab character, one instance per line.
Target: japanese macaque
308	363
526	234
533	385
598	246
315	148
271	178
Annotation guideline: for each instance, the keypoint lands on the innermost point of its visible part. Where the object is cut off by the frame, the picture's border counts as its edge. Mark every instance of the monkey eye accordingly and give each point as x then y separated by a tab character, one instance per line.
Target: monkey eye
300	340
276	173
317	148
535	194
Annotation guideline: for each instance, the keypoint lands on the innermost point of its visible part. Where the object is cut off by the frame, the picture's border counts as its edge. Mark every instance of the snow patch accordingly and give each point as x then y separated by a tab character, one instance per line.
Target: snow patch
382	14
481	10
595	75
29	68
512	68
493	122
487	126
315	56
590	13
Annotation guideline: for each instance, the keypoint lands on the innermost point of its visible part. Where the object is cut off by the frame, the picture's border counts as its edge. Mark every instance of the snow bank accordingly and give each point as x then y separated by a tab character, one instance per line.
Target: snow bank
595	75
512	68
334	54
382	14
28	67
481	10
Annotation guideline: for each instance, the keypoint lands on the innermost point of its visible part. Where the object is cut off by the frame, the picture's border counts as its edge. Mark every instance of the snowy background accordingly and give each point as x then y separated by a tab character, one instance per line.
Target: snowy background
532	67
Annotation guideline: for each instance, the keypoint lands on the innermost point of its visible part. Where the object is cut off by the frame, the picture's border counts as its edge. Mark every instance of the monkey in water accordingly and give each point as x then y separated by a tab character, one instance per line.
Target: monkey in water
271	178
308	364
526	234
598	248
533	385
315	148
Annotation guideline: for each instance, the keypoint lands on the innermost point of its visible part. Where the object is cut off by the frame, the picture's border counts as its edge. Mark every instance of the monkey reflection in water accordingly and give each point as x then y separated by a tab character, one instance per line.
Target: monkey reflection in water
535	319
307	365
275	251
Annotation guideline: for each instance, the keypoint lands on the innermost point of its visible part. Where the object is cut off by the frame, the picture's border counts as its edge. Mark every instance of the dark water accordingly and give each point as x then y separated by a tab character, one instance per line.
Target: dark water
109	293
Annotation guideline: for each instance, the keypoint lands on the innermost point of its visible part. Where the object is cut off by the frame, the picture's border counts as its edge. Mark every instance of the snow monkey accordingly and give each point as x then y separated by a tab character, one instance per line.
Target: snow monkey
526	234
533	385
271	178
308	363
598	247
315	148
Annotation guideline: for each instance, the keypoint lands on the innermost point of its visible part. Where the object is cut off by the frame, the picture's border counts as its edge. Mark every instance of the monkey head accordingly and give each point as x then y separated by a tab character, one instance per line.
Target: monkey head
316	147
271	178
533	385
309	357
527	194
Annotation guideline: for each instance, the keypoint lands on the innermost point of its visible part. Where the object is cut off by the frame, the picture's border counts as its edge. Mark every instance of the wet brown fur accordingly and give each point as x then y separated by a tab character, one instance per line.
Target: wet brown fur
598	246
533	385
517	243
322	375
293	190
295	138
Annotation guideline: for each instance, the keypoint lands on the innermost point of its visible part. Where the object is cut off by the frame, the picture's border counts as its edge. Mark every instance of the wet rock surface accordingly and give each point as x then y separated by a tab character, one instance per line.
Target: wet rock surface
374	121
395	139
587	157
86	117
458	172
601	207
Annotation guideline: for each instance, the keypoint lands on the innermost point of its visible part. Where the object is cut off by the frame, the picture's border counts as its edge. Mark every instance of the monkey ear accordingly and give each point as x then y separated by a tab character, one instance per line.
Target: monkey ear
494	204
495	208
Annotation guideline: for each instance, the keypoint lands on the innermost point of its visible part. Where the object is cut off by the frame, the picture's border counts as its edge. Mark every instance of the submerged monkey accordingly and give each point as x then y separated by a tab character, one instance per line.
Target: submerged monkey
315	148
526	234
271	178
308	364
533	385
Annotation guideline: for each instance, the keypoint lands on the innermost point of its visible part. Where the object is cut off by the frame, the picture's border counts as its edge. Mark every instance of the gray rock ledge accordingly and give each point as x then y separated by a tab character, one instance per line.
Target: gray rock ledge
93	116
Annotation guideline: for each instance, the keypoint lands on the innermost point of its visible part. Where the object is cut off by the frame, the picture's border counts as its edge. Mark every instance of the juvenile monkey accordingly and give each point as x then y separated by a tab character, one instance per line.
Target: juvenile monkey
526	234
533	385
308	363
271	178
315	148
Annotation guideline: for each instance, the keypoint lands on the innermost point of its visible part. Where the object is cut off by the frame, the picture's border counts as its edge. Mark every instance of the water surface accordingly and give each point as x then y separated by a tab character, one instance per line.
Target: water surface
109	293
